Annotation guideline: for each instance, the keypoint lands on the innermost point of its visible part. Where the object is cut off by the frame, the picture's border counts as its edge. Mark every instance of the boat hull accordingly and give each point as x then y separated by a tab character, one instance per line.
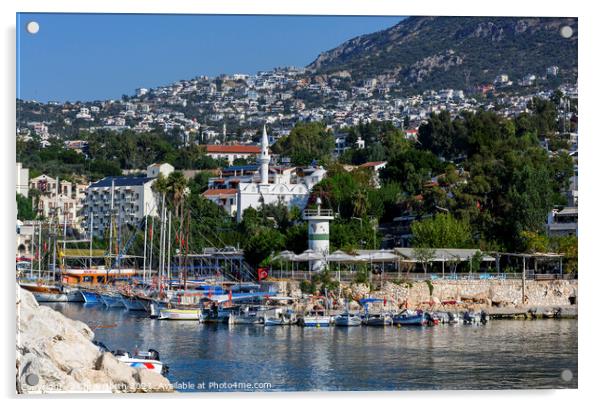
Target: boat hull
348	321
112	301
51	297
133	304
45	293
90	297
315	321
413	320
180	314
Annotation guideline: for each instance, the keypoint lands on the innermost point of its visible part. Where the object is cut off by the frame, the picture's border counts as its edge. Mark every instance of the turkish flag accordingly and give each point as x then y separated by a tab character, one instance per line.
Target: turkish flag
262	273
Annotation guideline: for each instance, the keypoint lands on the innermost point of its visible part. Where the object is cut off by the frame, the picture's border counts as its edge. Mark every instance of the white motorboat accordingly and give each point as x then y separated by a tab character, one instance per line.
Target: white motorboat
317	319
142	360
347	319
180	314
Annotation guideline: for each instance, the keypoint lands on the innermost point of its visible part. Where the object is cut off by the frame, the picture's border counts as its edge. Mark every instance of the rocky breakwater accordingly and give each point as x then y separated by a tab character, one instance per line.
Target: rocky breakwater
56	354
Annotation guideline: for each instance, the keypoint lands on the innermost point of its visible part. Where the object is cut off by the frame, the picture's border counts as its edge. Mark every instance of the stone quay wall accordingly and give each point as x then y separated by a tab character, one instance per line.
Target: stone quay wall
491	293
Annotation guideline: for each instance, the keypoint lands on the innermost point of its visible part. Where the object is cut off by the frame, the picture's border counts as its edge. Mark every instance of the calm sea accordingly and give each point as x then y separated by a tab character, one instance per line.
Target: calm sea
501	355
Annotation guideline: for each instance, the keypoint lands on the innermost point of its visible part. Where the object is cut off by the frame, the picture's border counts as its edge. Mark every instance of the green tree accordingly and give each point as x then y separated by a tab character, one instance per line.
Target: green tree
424	256
305	143
25	210
265	242
442	231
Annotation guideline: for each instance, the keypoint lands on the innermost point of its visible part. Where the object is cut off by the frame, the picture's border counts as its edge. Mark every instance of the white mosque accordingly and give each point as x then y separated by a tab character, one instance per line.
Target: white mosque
284	185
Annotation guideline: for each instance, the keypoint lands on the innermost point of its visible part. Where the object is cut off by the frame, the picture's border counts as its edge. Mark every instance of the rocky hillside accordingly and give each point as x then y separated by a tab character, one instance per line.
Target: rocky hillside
55	354
455	52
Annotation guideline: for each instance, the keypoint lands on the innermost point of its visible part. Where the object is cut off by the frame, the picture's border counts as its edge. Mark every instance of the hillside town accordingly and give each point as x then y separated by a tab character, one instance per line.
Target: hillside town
224	115
231	108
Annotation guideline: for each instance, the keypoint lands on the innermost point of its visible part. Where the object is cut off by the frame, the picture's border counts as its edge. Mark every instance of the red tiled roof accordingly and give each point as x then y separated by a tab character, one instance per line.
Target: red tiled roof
233	149
217	192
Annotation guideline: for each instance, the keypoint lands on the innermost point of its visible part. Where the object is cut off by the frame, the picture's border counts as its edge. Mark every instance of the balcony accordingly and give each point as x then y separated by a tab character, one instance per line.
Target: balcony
318	212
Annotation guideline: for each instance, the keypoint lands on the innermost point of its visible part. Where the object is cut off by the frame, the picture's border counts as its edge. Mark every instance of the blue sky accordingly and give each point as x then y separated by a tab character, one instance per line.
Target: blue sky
103	56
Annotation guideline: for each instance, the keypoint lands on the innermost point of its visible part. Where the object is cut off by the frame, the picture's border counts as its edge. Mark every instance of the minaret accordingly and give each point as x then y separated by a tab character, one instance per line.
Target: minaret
264	159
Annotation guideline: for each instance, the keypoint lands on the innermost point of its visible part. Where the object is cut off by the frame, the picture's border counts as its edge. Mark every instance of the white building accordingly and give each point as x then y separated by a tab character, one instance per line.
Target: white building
131	198
153	170
22	180
232	152
281	189
563	222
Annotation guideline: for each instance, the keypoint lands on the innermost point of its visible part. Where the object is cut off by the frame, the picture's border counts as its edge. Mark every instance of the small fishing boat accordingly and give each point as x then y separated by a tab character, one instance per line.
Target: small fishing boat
90	297
443	317
112	300
280	317
52	292
132	303
315	318
142	360
347	319
453	318
248	316
410	318
378	320
218	314
432	318
180	314
475	318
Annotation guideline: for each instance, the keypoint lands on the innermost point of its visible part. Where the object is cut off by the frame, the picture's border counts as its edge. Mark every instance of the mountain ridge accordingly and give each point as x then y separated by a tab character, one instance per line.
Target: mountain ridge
425	52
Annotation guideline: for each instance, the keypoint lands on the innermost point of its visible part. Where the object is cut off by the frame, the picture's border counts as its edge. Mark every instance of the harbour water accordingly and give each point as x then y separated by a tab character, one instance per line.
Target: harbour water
535	354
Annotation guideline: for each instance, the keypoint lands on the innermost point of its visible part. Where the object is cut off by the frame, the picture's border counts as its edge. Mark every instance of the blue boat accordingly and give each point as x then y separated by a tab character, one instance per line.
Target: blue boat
112	300
90	297
410	319
133	304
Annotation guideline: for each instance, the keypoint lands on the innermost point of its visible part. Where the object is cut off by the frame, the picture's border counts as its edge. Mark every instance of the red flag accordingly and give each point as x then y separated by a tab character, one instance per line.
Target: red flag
385	301
150	232
262	273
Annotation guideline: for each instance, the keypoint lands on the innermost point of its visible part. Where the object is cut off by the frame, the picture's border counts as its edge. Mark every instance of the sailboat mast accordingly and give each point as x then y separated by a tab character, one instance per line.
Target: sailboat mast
144	256
32	249
111	229
40	251
169	248
91	235
64	240
162	245
151	238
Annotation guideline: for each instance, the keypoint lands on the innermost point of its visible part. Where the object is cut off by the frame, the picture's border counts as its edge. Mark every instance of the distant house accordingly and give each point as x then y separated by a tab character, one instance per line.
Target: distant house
375	167
232	152
563	222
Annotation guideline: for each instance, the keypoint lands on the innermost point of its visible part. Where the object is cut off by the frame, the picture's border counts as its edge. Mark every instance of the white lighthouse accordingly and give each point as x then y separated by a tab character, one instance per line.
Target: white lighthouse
264	159
318	233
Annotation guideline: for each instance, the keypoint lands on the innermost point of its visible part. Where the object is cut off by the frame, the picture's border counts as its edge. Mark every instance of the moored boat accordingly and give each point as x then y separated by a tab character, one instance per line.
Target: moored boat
90	297
142	360
52	292
347	319
317	319
378	320
131	303
112	300
180	314
410	318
